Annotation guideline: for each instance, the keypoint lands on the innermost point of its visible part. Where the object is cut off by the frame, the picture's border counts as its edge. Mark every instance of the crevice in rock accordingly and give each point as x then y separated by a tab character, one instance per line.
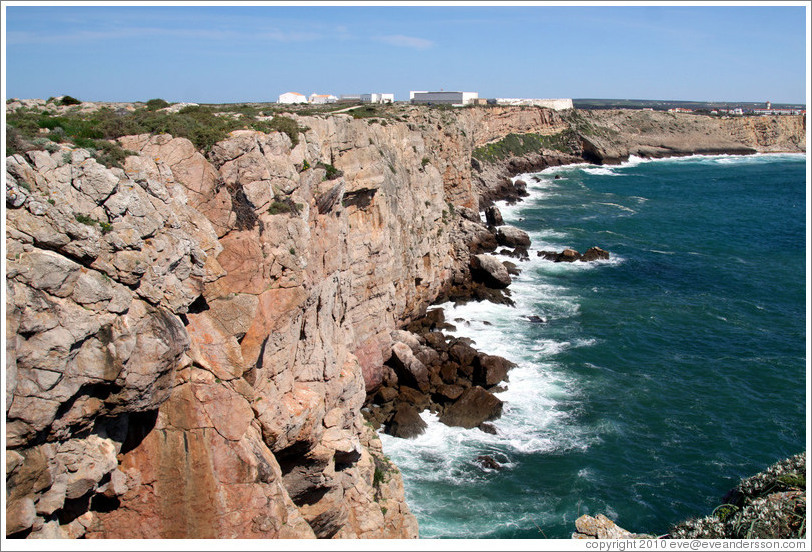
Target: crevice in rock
20	534
101	503
198	305
243	208
360	198
139	425
74	507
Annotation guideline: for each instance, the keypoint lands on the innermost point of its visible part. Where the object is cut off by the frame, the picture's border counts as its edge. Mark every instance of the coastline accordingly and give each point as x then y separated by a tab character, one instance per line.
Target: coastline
437	431
270	234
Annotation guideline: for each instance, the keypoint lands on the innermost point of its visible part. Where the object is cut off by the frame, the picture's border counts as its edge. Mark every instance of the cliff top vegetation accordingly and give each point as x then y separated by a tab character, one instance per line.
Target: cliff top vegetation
45	127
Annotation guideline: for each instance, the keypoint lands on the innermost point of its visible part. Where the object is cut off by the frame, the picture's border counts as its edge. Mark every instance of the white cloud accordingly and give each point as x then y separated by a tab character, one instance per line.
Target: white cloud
406	41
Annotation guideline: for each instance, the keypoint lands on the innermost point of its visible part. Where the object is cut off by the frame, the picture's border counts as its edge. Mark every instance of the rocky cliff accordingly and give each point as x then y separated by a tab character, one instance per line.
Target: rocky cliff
190	338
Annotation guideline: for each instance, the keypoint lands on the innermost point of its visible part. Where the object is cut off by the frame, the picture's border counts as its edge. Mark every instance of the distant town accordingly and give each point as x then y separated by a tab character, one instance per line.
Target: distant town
461	99
441	97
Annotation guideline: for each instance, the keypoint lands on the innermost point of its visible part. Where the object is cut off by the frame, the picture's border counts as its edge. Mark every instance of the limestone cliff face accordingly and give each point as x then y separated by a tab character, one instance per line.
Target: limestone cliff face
612	135
190	339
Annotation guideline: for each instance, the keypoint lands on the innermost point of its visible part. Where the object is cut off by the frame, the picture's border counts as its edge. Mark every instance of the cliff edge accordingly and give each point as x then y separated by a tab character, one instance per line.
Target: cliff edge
191	332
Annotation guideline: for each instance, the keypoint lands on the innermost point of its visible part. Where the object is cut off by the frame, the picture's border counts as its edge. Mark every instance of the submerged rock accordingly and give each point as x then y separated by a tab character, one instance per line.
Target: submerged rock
488	462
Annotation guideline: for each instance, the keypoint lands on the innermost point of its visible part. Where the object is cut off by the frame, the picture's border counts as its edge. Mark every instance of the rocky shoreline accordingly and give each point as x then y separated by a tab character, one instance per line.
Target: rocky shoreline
429	370
192	332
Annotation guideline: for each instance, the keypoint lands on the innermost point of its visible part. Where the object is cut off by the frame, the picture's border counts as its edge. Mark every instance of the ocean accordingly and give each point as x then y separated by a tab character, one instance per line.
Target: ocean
656	379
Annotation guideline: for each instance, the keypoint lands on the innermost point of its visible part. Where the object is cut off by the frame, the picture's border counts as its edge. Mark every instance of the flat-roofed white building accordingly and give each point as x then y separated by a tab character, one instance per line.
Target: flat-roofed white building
557	104
377	98
322	98
443	98
292	98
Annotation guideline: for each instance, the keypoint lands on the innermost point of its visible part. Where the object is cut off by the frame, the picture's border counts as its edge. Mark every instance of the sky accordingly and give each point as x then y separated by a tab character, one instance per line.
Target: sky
253	53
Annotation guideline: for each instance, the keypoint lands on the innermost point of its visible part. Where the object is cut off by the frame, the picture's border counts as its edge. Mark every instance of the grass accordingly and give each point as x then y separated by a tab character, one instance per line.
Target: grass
516	145
284	206
332	172
202	125
105	227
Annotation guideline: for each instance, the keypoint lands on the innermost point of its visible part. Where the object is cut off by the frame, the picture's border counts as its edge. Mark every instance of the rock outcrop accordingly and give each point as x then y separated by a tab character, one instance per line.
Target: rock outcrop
601	527
191	338
571	255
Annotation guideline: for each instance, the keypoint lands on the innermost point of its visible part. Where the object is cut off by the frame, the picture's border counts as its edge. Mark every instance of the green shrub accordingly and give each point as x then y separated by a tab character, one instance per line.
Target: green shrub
156	103
332	172
285	205
289	126
70	100
424	162
365	112
105	227
199	124
516	145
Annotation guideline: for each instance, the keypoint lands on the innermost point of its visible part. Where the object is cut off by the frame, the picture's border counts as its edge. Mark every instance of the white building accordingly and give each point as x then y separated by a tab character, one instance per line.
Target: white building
442	97
322	98
557	104
292	98
378	98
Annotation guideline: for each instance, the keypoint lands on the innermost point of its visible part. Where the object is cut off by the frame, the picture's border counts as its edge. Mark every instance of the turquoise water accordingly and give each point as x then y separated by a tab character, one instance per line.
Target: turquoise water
660	377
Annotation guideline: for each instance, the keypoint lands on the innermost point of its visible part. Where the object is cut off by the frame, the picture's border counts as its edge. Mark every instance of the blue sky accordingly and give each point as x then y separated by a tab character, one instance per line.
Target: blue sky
254	53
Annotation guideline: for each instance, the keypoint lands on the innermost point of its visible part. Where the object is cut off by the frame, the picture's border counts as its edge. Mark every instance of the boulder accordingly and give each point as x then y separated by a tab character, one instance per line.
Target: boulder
493	216
406	423
462	353
490	370
410	395
20	515
410	371
385	395
594	254
511	236
599	527
571	255
474	406
490	271
450	392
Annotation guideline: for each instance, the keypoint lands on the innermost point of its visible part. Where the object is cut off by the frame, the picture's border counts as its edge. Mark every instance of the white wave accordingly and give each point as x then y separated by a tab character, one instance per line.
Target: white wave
601	171
621	207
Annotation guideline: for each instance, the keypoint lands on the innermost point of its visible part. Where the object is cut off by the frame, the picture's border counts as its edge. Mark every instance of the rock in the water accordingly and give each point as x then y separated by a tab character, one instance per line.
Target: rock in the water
594	254
490	271
406	423
487	428
490	370
488	462
474	406
571	255
511	236
493	216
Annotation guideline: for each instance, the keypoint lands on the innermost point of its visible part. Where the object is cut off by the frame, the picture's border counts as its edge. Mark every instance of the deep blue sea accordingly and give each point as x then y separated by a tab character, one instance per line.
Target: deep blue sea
661	376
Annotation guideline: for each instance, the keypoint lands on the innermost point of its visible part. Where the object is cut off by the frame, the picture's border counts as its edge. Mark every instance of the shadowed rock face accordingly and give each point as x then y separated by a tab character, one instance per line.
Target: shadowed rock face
190	339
